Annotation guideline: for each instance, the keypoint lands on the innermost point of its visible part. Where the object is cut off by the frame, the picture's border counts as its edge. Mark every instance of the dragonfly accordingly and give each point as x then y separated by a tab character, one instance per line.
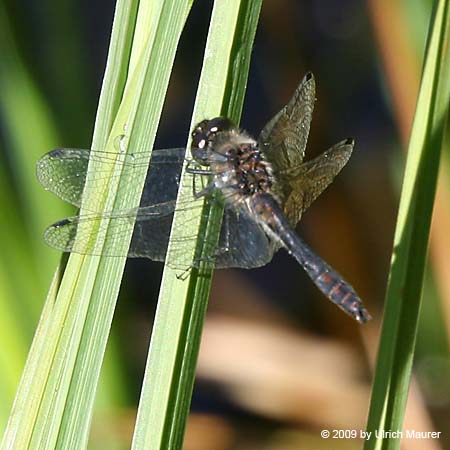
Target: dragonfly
263	184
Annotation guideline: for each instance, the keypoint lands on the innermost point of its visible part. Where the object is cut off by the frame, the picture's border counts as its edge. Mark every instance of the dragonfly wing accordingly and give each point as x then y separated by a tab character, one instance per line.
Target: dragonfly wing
163	176
284	138
63	171
243	243
151	230
150	235
151	238
311	178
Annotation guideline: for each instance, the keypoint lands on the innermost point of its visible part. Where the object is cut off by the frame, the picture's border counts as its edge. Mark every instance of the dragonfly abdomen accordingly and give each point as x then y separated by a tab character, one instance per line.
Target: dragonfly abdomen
331	283
328	280
337	290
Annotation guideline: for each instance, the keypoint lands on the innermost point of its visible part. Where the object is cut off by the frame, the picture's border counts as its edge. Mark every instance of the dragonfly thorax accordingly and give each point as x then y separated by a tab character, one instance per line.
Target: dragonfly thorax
238	166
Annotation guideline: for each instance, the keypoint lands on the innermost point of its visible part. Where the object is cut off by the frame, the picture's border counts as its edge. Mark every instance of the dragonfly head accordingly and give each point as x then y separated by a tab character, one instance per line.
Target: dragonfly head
204	134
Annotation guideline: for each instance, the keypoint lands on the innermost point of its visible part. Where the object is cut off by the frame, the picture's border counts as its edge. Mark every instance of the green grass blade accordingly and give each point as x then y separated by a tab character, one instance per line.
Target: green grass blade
403	297
170	370
54	403
26	264
117	68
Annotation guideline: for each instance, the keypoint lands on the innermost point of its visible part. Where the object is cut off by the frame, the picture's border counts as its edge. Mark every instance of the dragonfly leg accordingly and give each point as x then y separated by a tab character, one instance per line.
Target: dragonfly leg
183	275
196	170
208	260
206	191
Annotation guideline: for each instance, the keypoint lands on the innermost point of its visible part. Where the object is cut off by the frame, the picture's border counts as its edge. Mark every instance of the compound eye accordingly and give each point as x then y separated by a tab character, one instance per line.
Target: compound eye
219	124
198	140
200	135
205	131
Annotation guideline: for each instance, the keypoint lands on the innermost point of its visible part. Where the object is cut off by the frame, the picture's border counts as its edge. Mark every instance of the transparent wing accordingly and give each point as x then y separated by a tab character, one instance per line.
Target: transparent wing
304	183
63	171
284	138
150	236
242	242
154	220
